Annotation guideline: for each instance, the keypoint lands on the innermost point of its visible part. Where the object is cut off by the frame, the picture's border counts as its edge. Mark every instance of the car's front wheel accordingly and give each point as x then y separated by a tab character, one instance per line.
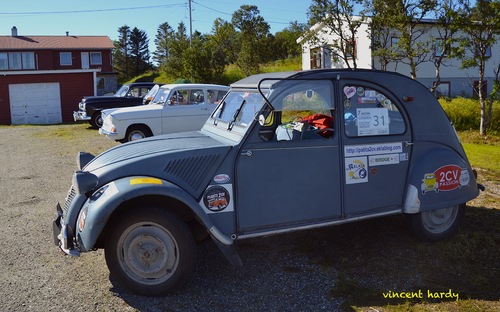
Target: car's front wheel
437	224
137	132
150	251
96	120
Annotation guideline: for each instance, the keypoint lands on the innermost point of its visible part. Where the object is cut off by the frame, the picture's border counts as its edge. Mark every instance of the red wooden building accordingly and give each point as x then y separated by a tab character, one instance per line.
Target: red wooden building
43	78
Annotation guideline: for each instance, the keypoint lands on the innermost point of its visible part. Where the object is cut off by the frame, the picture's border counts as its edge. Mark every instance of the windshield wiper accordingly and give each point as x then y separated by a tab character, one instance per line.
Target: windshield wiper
216	118
236	115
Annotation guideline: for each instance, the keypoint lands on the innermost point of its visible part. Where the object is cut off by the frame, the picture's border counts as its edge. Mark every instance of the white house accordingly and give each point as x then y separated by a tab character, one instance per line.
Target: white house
454	80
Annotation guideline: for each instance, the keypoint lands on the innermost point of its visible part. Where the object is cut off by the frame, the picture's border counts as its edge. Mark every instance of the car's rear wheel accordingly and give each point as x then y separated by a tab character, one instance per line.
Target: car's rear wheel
96	120
137	133
150	251
437	224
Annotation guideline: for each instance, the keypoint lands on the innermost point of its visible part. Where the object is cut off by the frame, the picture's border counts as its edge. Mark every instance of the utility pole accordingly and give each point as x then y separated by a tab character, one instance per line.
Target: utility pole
190	24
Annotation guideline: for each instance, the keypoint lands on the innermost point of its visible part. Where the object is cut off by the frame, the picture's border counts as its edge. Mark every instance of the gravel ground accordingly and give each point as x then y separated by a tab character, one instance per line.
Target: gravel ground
35	174
291	272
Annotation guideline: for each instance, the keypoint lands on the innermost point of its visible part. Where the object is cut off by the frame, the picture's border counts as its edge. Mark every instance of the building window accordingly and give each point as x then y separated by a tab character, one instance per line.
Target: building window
443	90
350	48
65	59
439	48
15	60
4	63
394	42
316	58
95	58
28	60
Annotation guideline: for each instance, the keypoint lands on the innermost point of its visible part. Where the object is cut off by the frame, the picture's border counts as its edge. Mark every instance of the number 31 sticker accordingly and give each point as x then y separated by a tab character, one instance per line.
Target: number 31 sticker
372	121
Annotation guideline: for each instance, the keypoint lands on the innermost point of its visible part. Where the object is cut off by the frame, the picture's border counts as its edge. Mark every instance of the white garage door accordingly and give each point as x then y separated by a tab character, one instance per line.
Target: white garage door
35	103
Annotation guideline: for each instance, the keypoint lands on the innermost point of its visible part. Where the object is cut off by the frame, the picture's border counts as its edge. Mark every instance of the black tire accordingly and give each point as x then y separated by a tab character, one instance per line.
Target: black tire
137	133
96	120
150	251
437	224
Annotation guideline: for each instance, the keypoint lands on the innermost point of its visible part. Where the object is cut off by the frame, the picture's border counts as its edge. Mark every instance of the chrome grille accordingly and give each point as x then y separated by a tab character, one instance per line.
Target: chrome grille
69	199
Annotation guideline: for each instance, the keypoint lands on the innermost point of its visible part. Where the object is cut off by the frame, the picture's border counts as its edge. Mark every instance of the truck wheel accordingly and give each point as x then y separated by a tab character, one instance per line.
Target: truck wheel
137	133
437	224
96	120
150	251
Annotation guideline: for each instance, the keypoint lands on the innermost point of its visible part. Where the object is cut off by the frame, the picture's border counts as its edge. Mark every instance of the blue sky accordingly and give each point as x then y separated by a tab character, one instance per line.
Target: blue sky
98	17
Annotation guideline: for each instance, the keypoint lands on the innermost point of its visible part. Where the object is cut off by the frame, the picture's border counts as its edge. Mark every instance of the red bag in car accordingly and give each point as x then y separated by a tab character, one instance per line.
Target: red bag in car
320	121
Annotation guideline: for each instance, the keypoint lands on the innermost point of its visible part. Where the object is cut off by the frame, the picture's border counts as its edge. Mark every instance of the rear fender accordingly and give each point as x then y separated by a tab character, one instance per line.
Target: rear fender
439	177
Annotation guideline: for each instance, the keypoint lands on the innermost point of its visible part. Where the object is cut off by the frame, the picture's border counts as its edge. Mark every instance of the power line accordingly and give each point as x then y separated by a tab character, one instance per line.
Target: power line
97	10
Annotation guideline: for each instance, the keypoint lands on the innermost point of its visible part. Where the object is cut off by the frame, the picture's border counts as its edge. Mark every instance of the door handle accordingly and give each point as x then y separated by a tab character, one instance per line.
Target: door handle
408	143
246	153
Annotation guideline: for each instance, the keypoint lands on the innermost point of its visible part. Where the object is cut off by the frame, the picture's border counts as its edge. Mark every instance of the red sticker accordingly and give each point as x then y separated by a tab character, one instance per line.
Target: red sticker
446	178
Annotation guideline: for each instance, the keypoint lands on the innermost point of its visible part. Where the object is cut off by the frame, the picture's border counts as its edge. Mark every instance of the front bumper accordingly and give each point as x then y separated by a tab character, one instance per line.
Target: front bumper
110	135
63	234
80	115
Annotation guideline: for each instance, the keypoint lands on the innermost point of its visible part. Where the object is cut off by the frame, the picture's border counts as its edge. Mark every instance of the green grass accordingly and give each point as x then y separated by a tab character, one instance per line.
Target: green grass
483	156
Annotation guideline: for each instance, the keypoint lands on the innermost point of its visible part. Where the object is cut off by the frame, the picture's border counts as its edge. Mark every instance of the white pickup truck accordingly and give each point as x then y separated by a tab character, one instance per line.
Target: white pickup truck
175	108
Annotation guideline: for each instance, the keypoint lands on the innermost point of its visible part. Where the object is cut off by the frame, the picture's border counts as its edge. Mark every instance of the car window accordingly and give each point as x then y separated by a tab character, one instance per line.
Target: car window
161	96
122	91
215	96
134	92
303	110
369	112
196	96
143	91
178	97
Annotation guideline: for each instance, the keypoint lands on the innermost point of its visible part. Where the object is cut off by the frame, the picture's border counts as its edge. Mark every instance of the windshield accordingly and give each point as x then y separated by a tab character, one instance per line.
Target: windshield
238	109
122	91
161	96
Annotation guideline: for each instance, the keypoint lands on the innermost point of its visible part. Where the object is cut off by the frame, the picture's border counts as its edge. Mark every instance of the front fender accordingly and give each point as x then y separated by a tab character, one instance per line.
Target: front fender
98	208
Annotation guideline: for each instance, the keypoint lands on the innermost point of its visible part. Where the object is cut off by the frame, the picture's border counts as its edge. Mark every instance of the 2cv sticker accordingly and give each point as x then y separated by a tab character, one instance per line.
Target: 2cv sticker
446	178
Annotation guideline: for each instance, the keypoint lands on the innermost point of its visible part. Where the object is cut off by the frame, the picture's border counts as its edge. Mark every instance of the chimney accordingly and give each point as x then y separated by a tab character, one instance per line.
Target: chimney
67	33
14	31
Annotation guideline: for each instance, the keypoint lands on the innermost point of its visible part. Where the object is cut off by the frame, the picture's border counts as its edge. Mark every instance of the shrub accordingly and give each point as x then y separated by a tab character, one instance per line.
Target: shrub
465	114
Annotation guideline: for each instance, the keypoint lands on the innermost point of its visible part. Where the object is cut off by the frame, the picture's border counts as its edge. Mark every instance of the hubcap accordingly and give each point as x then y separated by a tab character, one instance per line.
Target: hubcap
149	253
438	221
136	135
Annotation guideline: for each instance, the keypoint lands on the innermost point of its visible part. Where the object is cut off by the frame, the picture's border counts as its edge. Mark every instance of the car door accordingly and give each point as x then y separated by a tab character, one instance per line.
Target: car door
184	110
376	147
285	183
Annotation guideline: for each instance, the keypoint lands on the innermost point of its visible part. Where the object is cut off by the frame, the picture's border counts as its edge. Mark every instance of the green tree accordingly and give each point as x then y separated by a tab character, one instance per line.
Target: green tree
254	31
174	65
446	21
139	52
121	54
405	17
226	40
285	41
481	27
164	35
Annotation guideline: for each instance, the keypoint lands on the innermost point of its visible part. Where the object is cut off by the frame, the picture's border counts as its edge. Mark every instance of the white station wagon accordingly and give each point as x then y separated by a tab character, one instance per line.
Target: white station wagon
175	108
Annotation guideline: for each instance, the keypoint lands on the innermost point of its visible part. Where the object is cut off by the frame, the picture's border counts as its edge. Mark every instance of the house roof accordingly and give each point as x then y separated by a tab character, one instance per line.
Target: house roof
55	42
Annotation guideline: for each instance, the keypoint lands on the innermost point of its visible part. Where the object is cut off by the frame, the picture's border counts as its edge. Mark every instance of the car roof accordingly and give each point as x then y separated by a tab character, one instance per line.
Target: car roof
194	85
266	80
141	83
